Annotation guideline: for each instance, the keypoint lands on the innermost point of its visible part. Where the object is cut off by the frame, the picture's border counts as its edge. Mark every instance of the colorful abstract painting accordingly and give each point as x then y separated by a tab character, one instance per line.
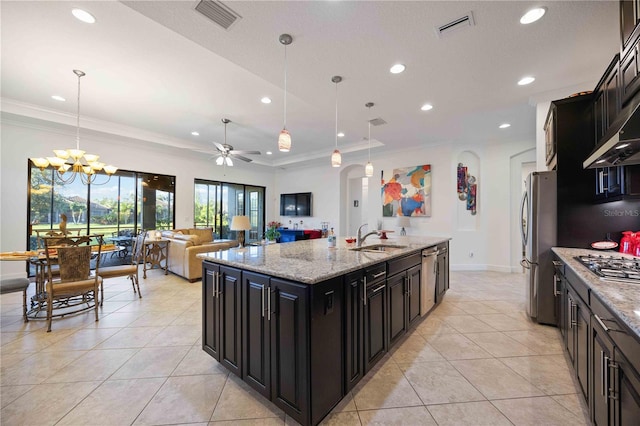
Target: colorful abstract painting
407	191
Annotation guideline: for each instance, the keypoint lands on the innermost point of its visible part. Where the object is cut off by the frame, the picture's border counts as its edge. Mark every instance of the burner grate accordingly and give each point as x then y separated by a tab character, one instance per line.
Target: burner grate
615	268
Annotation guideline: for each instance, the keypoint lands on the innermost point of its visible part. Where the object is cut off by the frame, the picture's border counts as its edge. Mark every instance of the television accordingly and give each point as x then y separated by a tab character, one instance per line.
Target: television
298	204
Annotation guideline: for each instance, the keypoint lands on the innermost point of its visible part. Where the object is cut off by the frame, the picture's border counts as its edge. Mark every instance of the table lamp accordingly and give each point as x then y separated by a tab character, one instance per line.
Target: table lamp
240	224
403	222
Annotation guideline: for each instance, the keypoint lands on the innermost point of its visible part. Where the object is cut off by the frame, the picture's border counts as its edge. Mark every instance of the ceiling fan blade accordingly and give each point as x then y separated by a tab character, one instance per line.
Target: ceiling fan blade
240	157
219	146
235	151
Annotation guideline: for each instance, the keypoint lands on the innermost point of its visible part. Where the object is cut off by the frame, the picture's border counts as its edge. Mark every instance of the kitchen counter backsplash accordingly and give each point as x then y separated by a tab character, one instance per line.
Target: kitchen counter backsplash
623	299
313	261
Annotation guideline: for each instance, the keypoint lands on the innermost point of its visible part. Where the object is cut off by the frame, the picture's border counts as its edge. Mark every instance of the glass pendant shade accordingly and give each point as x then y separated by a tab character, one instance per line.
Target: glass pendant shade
368	169
336	158
284	141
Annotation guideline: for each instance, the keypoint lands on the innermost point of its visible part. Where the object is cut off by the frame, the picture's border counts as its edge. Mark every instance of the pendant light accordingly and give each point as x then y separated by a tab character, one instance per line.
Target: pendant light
336	158
284	140
73	162
368	169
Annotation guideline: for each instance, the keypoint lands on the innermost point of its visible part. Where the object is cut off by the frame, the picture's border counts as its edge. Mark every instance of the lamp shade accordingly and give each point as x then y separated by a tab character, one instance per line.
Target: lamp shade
240	223
336	159
403	222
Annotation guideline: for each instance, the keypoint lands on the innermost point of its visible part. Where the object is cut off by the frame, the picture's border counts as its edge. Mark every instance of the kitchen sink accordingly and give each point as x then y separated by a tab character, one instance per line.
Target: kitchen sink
378	248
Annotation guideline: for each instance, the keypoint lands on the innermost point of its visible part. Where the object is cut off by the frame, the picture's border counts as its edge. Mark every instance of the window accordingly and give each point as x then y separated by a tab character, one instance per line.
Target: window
215	204
129	201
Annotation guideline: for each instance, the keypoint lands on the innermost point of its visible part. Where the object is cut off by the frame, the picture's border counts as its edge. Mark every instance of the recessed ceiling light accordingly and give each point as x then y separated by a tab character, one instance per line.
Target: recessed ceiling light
397	69
194	133
426	107
269	152
622	145
265	100
58	98
504	125
84	16
533	15
526	80
341	135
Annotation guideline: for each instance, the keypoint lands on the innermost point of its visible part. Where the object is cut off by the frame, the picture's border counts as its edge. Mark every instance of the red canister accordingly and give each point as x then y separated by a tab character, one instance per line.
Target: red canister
627	242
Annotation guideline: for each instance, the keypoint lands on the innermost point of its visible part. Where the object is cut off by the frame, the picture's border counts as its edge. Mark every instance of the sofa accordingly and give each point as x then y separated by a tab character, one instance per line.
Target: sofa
185	244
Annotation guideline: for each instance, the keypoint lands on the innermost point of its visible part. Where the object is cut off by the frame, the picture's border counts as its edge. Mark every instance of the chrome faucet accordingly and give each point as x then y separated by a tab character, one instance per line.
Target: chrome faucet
361	238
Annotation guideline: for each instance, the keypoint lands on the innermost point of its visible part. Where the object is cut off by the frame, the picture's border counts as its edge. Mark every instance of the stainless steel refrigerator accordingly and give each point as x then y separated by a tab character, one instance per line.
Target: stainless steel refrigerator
539	230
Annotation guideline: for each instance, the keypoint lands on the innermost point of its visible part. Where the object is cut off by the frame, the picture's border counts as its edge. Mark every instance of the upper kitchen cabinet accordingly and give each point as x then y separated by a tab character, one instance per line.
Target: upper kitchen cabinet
629	20
606	99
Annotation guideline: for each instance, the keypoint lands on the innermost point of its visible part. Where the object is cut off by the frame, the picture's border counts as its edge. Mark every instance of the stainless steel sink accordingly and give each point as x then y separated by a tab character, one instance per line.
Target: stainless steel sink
378	248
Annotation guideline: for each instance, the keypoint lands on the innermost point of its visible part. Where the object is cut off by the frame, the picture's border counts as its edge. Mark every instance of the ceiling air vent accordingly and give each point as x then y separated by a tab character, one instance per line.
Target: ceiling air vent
218	13
457	24
377	121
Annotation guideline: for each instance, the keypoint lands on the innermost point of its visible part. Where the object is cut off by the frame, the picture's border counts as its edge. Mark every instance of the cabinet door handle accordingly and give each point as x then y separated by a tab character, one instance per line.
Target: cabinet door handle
570	306
613	393
364	291
215	284
379	274
556	280
262	301
600	182
379	288
605	382
269	304
604	327
602	379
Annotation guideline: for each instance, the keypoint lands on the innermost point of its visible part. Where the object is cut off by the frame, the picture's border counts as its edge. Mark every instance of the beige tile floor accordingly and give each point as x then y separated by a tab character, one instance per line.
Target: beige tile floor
475	360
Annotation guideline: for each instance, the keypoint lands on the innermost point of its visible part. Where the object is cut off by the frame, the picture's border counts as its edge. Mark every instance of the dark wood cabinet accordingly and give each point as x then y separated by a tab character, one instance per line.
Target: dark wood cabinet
442	271
414	280
210	322
375	324
609	183
550	139
629	79
629	20
632	181
604	353
354	329
397	290
256	332
221	328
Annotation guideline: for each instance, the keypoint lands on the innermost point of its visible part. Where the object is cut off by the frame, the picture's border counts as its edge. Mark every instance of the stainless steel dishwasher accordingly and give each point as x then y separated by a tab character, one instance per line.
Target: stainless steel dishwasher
428	284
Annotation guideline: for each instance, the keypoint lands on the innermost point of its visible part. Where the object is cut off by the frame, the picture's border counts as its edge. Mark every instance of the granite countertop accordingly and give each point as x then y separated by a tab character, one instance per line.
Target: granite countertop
623	299
312	261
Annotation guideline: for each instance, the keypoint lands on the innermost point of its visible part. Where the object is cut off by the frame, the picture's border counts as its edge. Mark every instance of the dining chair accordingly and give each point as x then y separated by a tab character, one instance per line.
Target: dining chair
130	271
75	285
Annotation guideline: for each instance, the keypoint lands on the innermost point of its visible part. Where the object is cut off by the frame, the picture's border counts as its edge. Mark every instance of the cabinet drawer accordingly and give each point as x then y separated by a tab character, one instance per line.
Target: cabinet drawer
619	334
403	263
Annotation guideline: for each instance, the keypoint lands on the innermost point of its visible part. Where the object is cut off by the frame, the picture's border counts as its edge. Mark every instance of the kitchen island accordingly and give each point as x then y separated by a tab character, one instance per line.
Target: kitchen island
302	323
599	322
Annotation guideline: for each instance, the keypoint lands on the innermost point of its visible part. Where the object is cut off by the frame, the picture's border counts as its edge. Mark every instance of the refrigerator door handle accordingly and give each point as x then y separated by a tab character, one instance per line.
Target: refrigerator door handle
525	264
523	224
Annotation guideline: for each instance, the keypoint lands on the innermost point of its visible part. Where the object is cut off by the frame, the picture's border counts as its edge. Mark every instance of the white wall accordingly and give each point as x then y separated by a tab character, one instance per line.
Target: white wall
490	240
21	141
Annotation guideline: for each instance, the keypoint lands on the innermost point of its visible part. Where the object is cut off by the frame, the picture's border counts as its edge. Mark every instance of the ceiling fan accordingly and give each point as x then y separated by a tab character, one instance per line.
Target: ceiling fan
226	151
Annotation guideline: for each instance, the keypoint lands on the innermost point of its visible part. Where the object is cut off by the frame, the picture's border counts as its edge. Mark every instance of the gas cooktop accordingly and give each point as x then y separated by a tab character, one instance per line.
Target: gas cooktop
613	268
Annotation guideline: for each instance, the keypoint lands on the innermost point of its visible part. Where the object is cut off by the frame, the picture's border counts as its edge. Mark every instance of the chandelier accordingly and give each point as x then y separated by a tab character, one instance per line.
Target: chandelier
73	162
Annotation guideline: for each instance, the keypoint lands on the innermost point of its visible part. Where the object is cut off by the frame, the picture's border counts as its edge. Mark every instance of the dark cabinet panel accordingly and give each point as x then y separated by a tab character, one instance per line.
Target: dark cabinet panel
414	276
629	79
626	391
210	323
582	349
442	272
397	290
230	306
628	20
632	181
601	355
354	329
375	325
609	183
256	359
289	346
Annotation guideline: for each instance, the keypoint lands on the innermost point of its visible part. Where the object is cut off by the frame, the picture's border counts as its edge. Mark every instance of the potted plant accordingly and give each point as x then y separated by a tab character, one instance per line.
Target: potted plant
272	233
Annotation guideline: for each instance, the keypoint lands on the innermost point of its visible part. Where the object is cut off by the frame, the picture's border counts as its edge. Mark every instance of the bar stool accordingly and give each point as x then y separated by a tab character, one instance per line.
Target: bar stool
11	285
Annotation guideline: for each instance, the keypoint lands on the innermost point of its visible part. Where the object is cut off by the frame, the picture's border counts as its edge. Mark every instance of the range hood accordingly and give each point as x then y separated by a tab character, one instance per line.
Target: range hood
621	143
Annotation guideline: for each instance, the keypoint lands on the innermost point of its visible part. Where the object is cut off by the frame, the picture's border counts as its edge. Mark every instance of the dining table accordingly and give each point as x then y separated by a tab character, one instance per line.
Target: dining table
38	259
